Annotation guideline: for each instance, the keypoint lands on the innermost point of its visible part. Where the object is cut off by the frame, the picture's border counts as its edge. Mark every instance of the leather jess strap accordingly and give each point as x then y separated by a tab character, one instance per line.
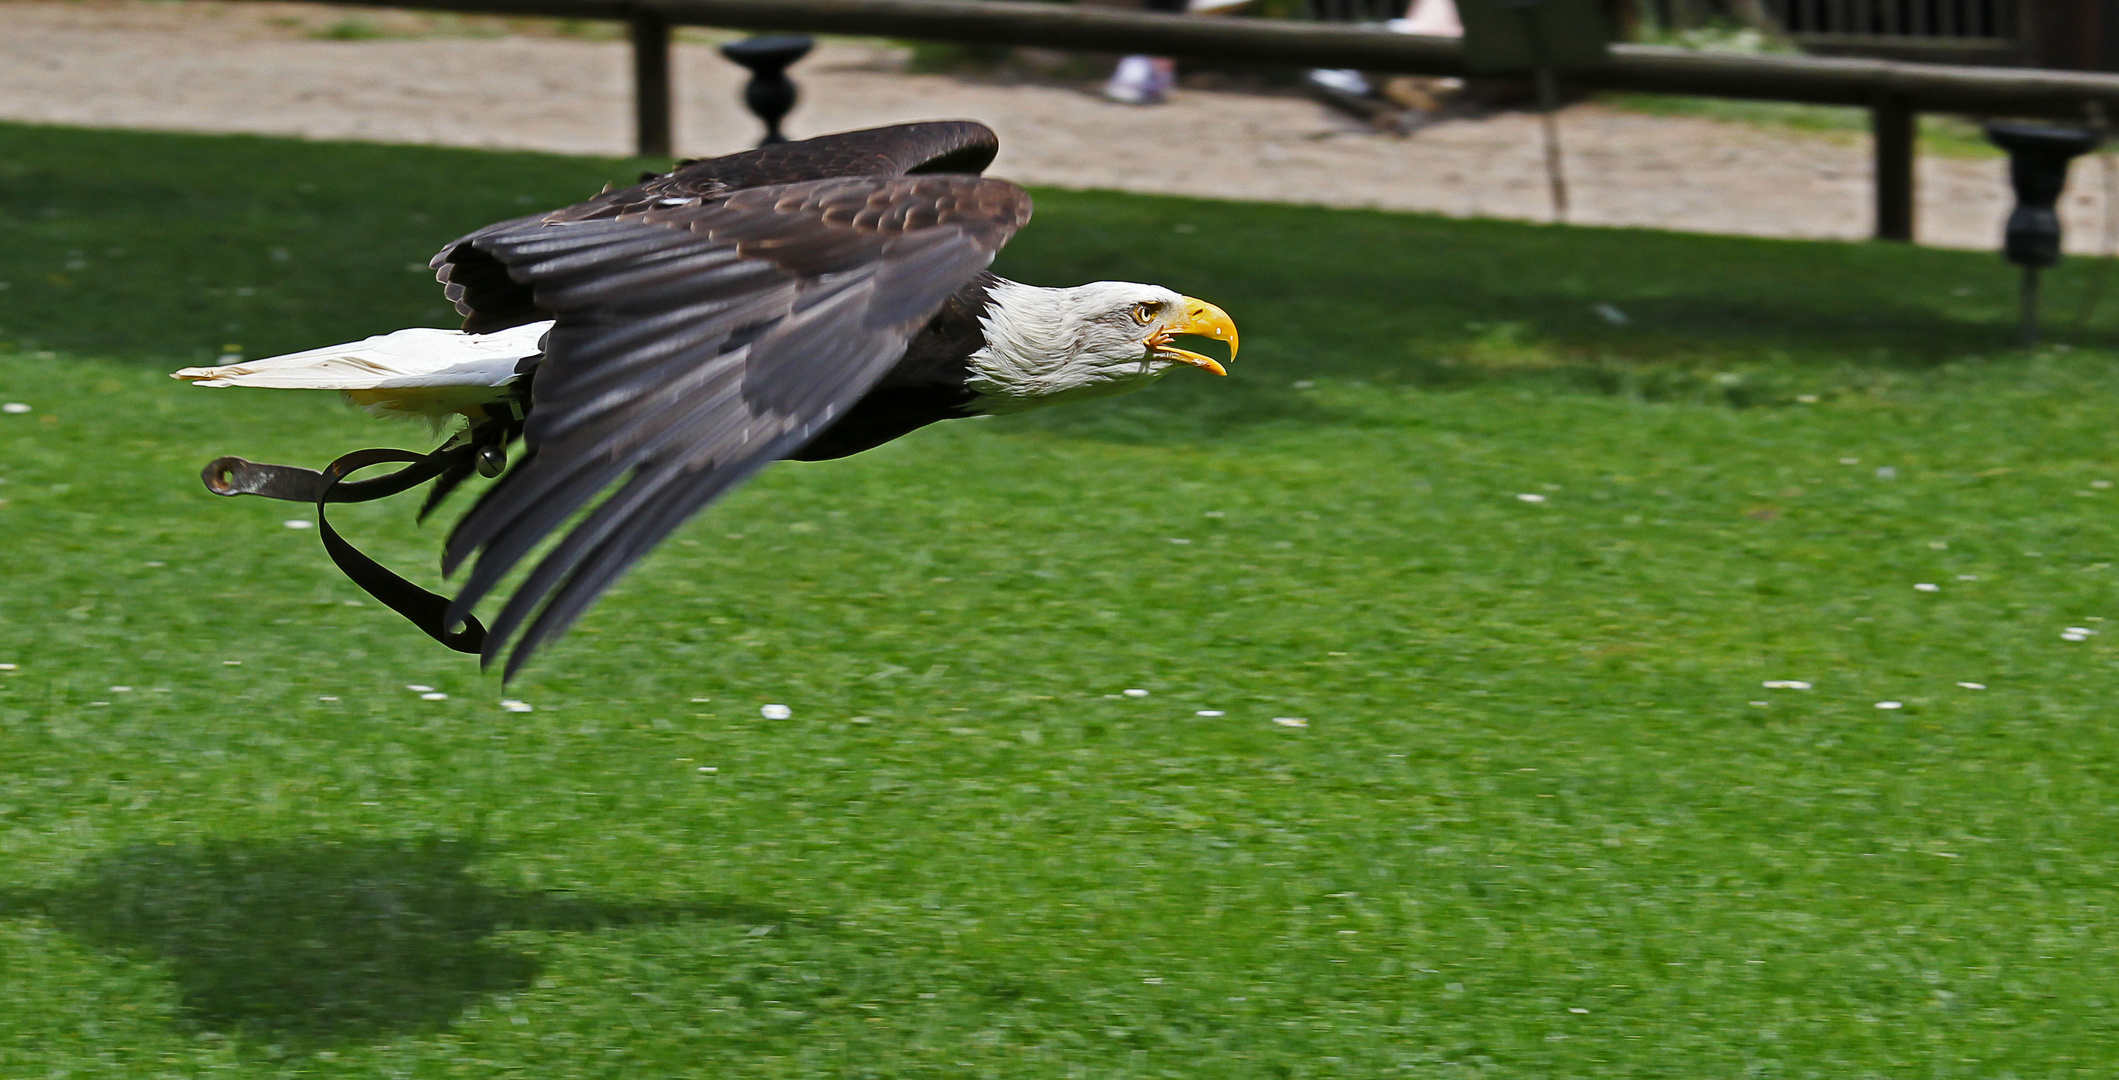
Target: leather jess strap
233	476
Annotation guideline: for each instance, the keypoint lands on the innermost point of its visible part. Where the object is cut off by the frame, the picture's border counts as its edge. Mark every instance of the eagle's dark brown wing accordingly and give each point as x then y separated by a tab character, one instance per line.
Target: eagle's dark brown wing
694	344
490	299
951	146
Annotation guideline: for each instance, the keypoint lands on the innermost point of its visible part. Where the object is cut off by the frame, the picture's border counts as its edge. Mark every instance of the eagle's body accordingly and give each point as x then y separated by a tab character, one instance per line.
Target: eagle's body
801	301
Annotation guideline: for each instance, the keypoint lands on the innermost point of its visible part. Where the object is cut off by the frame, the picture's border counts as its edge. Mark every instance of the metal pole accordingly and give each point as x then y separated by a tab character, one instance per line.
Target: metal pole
2029	296
651	84
1548	109
1891	121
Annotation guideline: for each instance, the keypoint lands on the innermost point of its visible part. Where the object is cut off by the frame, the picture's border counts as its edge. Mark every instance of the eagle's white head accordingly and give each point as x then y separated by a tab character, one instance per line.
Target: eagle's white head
1095	340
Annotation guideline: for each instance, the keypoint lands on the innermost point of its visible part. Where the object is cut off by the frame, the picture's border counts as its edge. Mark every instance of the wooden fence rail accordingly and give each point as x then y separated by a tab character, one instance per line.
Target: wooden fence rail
1894	92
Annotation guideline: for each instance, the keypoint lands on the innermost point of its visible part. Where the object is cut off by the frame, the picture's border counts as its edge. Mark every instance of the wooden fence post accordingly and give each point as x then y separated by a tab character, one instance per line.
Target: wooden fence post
651	84
1892	122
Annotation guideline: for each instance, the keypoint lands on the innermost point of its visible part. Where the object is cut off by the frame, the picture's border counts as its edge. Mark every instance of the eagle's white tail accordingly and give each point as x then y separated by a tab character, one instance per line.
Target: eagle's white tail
421	371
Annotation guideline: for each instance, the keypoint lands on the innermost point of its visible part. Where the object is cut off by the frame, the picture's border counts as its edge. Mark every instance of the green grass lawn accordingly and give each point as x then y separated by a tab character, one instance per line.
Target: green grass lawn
1520	567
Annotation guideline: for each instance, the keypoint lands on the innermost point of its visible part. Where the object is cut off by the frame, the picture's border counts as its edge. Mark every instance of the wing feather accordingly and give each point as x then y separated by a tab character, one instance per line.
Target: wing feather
491	297
614	555
693	346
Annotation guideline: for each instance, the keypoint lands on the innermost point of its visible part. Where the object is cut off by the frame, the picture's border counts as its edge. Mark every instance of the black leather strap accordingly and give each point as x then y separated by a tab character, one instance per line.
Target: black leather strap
428	611
234	476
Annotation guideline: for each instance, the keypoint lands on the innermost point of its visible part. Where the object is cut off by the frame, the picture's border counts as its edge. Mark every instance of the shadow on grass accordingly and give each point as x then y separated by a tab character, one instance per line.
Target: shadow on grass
331	941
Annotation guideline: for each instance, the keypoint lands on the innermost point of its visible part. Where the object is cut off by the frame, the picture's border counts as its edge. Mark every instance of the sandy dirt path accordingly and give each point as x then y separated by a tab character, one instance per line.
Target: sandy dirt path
204	66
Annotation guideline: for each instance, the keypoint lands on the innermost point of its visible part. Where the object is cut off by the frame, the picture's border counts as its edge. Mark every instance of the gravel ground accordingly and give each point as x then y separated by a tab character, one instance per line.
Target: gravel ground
254	67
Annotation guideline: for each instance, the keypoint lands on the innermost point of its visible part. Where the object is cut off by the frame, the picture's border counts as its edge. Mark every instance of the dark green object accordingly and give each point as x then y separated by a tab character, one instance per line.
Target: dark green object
770	93
2039	156
1522	35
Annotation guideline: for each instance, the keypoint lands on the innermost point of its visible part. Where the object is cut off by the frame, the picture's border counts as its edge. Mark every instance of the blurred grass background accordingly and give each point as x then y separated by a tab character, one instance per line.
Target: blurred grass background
1542	818
1941	135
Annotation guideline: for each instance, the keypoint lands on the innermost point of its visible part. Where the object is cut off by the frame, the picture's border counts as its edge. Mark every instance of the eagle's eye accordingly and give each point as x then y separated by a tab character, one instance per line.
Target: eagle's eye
1146	311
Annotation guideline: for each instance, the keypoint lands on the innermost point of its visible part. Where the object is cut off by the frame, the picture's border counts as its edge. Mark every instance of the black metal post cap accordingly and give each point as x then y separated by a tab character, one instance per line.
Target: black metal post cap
770	93
2038	162
769	50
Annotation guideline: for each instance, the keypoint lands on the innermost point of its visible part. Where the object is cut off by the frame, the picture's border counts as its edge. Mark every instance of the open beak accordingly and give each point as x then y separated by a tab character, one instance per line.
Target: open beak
1203	319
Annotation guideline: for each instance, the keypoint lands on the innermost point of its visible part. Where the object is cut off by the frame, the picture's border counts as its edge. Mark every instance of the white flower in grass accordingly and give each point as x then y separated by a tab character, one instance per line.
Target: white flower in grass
1531	497
7	667
1973	685
14	408
2083	630
1927	586
1291	721
1135	693
298	523
121	689
1890	704
231	663
327	697
435	696
1785	684
513	705
418	688
2074	634
775	712
1210	712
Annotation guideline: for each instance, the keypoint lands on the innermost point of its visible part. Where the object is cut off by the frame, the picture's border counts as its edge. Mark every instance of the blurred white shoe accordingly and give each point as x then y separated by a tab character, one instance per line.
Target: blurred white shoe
1345	80
1433	18
1140	80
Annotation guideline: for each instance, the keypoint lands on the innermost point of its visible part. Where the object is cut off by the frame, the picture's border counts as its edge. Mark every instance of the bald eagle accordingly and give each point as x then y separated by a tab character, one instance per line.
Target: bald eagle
659	344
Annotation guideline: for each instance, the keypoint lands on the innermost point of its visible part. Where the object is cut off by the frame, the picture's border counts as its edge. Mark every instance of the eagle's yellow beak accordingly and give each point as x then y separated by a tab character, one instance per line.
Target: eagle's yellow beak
1205	320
